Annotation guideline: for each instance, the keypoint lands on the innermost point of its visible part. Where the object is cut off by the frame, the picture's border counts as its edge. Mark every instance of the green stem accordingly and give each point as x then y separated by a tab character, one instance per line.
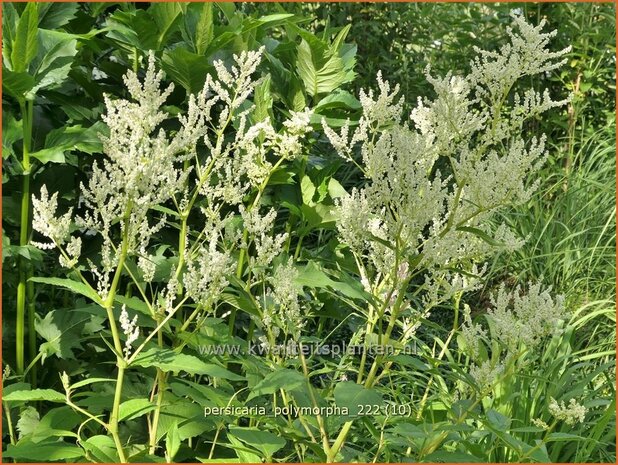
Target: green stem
160	394
120	362
9	422
113	421
24	232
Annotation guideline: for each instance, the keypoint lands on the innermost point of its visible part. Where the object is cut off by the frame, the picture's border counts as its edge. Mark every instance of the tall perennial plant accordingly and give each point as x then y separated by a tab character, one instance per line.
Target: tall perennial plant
418	227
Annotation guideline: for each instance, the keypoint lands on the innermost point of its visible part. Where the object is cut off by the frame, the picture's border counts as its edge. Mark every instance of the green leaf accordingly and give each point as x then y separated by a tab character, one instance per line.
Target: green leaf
244	453
70	138
338	99
35	394
134	408
28	420
53	15
10	18
102	448
50	155
168	360
61	331
336	190
133	29
204	29
444	456
75	286
265	442
16	84
322	68
25	44
307	189
263	101
53	62
49	451
58	422
556	437
497	420
12	132
313	276
355	397
273	382
89	381
166	16
186	68
172	442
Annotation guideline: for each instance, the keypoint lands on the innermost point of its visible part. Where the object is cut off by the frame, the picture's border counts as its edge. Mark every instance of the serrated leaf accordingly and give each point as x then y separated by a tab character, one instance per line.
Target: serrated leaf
25	44
186	68
28	420
166	16
61	331
54	60
204	29
53	15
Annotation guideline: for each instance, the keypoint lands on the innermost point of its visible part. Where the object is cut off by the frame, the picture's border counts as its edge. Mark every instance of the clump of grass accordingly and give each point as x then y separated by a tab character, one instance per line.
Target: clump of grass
570	226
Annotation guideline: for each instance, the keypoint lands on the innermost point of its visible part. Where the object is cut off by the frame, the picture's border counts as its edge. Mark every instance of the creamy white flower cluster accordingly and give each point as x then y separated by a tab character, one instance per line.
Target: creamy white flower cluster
145	166
571	414
432	186
282	311
518	322
518	319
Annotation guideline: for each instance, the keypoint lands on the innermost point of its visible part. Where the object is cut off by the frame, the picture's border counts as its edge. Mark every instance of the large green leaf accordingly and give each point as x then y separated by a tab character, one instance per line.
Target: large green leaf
10	18
324	68
273	382
166	16
25	44
75	286
172	442
53	15
54	60
204	28
168	360
314	276
133	29
186	68
48	395
61	331
134	408
16	84
48	451
101	448
265	442
356	398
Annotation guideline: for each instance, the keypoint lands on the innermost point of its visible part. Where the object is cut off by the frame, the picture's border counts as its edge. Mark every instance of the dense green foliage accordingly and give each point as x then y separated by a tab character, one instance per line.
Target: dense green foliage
61	59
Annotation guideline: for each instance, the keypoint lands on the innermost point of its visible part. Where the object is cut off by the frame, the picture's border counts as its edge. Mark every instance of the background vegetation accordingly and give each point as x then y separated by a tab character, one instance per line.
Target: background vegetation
52	105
